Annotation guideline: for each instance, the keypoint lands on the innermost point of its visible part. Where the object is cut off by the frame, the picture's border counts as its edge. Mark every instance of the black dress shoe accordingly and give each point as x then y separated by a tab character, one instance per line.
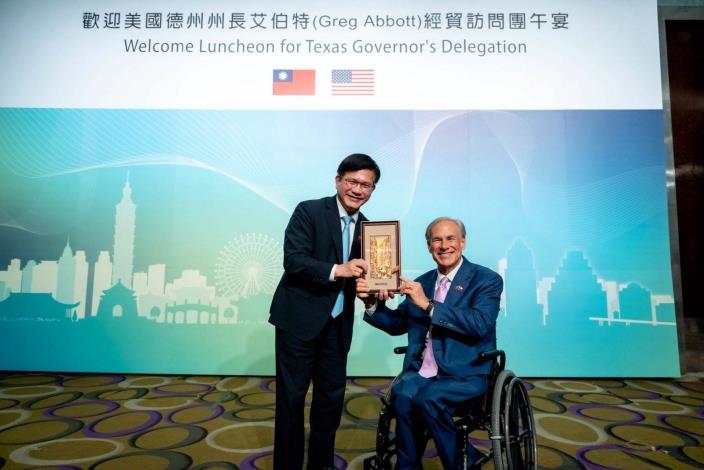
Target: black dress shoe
476	462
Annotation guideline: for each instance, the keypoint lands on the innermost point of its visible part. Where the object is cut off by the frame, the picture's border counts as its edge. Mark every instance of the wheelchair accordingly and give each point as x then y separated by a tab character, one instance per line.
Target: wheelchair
503	412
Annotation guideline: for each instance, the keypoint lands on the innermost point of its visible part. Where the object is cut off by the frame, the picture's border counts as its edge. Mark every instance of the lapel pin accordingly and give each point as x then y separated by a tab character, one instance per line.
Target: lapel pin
459	288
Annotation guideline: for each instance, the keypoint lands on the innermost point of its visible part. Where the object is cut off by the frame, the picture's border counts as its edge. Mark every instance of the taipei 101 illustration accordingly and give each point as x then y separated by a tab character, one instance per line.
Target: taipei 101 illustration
123	251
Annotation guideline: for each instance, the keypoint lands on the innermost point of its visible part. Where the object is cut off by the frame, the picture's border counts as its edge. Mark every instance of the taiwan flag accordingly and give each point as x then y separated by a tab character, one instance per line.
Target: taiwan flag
293	82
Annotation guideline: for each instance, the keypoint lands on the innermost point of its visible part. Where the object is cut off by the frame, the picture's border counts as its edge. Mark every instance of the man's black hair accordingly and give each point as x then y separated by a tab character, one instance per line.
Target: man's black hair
356	162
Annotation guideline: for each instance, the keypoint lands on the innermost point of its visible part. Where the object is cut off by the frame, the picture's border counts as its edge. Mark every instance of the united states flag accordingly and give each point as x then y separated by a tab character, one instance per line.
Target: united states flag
355	82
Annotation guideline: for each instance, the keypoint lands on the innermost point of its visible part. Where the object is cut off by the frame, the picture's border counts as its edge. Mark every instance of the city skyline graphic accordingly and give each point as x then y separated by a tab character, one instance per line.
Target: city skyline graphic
249	265
167	266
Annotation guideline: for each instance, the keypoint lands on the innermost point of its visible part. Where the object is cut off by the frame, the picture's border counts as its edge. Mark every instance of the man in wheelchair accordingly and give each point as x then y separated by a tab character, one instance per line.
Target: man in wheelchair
449	314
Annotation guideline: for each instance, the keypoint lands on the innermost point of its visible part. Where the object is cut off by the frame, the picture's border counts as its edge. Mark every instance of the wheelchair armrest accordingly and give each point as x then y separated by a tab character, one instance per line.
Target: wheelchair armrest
485	356
494	354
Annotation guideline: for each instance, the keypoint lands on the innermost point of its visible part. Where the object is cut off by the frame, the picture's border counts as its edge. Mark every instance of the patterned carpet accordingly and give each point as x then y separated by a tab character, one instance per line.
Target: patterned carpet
116	422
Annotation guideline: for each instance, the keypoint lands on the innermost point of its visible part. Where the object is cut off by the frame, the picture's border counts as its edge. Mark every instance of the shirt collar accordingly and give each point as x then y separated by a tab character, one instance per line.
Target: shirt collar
451	275
341	210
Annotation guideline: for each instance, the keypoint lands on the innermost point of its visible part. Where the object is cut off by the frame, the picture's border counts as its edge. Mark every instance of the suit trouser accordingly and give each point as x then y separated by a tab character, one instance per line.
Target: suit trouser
324	361
421	403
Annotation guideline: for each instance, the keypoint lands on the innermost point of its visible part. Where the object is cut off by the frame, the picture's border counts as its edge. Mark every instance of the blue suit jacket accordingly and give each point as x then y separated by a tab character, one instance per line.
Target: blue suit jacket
463	326
312	245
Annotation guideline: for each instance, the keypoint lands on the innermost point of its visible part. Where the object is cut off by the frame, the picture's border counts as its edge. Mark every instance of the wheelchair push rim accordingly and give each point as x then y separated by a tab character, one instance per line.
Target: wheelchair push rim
513	427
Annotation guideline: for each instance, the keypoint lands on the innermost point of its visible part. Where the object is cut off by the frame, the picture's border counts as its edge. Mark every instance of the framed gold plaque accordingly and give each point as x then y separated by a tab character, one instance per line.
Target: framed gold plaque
381	249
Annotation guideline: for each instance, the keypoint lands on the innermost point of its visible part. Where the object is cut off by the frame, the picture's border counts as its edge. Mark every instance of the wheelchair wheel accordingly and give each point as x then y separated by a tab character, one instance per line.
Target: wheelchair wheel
519	428
385	440
512	425
498	442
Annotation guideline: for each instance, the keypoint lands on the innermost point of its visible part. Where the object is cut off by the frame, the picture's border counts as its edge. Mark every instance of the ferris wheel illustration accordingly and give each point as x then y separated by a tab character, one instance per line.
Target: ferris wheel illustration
248	265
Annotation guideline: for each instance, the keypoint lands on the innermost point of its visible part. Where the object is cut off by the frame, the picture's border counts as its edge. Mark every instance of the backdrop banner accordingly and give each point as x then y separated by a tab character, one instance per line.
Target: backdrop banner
151	155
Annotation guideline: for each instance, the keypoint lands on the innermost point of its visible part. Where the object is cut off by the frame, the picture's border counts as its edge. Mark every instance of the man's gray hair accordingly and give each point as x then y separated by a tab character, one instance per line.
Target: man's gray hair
432	224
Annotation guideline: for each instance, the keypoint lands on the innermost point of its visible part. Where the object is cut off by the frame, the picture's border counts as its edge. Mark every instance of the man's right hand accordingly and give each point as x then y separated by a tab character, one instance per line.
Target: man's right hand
363	293
352	268
370	299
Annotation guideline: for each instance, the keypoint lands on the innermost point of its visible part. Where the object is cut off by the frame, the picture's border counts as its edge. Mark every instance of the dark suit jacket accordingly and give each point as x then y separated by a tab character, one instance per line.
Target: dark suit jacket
463	326
305	296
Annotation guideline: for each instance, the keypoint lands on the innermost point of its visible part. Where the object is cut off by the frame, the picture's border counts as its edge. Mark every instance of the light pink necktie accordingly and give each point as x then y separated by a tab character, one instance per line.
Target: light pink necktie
429	368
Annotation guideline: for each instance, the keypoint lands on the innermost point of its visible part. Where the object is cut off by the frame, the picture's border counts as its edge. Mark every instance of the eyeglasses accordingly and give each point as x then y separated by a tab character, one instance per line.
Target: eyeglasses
354	183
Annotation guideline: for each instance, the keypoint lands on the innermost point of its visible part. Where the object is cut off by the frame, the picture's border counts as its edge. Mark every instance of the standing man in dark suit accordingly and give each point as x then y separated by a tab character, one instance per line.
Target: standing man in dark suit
313	311
449	315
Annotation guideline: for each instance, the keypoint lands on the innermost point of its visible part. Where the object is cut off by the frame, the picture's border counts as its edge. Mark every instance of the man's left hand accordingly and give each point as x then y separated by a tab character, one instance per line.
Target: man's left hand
414	291
353	268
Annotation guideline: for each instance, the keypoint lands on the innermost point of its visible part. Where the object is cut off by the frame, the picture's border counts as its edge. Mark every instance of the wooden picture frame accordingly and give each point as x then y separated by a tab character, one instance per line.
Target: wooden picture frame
381	249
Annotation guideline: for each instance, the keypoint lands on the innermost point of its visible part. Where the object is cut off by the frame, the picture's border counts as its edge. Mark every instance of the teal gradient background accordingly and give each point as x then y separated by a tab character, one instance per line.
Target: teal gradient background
565	204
